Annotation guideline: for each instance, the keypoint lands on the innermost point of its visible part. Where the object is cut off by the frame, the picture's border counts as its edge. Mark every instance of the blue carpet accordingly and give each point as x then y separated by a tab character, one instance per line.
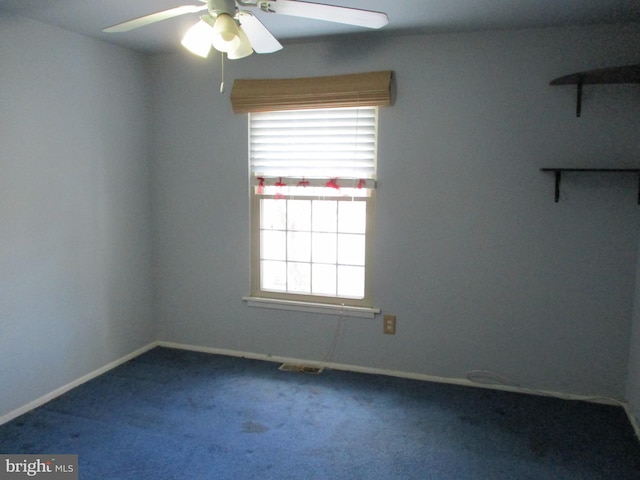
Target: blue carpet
172	414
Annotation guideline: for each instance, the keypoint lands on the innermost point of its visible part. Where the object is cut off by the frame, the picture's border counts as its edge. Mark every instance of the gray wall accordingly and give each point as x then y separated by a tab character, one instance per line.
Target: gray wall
482	268
75	263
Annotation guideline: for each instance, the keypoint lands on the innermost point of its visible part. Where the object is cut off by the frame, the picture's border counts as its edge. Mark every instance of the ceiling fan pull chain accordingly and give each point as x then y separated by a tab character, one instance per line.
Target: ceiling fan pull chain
222	73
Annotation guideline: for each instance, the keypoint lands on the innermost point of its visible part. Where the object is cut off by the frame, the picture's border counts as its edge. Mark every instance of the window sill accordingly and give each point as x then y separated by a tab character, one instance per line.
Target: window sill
342	310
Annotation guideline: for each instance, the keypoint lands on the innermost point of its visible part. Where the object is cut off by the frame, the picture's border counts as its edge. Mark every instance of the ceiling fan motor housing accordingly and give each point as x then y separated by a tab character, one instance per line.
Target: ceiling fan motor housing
216	7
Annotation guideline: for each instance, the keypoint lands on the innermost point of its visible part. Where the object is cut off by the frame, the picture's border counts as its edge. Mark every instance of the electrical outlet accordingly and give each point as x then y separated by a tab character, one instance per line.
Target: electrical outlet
389	326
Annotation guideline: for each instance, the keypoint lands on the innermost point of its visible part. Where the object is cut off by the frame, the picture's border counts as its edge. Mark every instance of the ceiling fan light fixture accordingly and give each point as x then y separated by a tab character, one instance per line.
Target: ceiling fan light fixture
226	35
225	25
243	50
198	39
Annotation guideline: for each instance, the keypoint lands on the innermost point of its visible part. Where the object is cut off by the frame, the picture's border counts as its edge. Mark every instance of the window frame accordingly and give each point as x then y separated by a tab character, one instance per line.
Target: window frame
327	303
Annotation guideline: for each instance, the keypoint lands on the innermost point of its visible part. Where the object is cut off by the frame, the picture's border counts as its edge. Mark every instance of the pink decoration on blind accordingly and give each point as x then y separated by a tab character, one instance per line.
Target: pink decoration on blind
303	183
260	185
333	183
362	183
280	185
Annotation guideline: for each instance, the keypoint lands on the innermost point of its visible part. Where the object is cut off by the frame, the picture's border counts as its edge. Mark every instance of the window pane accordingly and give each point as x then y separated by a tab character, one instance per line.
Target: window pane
299	215
274	276
274	214
324	280
324	215
299	246
273	245
351	282
299	277
351	249
325	247
352	217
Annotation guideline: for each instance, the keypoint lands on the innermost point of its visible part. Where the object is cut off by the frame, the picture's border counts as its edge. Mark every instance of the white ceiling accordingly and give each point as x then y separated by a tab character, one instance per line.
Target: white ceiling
88	17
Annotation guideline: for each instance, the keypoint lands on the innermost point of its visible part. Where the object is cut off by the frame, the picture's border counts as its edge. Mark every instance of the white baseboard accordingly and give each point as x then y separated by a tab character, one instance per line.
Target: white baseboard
633	420
64	389
377	371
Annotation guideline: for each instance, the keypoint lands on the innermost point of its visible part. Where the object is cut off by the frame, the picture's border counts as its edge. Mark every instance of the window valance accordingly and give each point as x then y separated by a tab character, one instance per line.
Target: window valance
355	90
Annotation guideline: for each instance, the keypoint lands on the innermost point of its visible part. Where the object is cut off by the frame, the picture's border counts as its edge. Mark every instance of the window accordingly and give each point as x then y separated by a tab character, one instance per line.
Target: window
312	204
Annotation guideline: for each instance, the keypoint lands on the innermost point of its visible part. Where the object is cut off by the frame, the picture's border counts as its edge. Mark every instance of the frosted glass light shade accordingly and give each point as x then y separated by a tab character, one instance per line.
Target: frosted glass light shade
226	35
198	39
243	50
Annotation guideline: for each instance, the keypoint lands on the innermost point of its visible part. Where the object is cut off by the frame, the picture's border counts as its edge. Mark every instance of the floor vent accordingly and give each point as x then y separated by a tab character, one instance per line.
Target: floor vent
290	367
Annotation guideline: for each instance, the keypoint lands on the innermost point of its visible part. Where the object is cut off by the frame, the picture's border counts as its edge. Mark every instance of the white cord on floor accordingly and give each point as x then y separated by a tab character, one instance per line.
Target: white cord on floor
329	357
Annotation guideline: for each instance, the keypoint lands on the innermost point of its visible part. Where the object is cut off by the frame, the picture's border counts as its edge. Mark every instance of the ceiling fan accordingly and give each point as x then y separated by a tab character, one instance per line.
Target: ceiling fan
237	32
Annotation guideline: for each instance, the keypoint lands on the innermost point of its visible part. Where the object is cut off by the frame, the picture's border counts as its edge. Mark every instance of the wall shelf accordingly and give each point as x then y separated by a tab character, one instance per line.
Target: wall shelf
623	74
558	174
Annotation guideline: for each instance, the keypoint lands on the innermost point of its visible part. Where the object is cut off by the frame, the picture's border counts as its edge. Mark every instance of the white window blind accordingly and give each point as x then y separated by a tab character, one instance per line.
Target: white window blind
317	144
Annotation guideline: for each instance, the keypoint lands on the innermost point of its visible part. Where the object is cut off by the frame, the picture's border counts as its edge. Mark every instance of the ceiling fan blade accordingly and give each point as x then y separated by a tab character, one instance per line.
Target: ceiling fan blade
260	38
153	18
329	13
